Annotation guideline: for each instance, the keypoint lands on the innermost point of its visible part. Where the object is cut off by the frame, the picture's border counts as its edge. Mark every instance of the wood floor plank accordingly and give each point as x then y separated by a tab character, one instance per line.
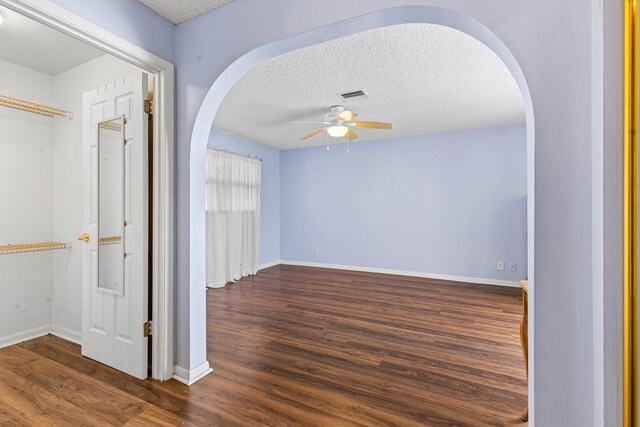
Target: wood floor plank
81	400
300	346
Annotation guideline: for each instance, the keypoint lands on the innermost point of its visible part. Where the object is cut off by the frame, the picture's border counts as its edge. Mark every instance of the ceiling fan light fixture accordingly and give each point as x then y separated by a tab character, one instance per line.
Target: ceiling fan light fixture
337	131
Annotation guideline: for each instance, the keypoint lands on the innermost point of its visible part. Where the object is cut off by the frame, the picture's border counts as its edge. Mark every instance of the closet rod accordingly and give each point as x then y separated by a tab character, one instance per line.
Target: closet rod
32	107
110	126
114	240
32	247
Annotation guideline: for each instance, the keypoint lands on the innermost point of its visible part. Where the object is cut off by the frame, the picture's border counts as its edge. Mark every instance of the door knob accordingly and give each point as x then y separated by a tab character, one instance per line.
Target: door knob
84	237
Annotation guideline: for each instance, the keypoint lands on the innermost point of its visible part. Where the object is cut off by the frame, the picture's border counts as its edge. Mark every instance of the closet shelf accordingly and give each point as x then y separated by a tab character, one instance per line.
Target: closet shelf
110	126
114	240
31	247
19	104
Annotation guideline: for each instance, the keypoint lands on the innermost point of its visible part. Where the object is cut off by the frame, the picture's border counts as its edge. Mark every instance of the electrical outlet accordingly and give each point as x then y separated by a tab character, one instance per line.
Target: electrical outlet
512	266
316	251
500	266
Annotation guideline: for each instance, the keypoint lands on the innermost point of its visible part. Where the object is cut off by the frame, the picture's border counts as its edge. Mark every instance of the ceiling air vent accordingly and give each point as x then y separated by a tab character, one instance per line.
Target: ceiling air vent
354	95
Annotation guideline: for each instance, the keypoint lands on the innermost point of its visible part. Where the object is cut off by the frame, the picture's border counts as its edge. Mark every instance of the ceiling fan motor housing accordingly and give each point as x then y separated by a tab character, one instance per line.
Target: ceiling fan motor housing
332	115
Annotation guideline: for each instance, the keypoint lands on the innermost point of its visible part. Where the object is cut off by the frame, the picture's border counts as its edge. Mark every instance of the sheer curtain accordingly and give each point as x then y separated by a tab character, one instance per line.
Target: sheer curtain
232	205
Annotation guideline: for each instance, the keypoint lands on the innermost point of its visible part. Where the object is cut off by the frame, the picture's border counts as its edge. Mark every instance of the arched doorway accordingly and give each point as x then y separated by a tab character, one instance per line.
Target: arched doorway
217	92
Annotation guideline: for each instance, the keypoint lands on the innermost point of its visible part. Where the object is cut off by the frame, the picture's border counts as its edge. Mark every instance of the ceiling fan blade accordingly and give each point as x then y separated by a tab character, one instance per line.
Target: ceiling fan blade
347	115
351	135
372	125
314	133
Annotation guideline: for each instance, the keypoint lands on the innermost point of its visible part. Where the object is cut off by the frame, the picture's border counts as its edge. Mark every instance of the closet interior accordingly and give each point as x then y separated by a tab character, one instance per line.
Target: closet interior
44	75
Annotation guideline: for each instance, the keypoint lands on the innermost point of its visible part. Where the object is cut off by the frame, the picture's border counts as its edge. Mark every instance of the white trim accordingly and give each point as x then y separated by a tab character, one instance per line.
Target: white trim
163	233
66	334
66	22
480	281
188	377
24	336
269	264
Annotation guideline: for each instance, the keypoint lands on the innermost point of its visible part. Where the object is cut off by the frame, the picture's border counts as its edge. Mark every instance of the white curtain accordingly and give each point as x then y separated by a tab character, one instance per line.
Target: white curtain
232	205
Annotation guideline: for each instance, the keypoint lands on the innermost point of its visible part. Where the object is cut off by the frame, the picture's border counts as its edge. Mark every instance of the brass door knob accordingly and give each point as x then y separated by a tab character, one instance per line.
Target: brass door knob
84	237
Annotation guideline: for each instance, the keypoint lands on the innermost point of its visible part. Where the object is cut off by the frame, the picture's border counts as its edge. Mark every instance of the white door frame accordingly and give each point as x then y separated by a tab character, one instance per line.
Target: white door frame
163	134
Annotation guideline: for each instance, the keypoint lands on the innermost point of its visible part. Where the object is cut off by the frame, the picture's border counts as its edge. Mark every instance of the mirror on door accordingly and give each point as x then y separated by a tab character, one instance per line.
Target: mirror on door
111	205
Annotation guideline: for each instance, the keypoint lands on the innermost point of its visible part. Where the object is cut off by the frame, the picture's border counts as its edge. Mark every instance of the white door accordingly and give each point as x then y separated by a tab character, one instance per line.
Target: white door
115	274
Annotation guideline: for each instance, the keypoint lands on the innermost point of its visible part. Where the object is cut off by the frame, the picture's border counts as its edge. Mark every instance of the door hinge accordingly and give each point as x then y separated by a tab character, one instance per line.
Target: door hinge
146	328
148	106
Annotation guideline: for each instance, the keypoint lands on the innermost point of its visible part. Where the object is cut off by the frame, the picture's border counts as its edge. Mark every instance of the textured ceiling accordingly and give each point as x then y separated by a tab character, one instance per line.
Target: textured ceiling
423	78
31	44
178	11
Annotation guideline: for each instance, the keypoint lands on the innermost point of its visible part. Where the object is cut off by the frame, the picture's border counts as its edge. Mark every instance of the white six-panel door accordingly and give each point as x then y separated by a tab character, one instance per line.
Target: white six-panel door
112	325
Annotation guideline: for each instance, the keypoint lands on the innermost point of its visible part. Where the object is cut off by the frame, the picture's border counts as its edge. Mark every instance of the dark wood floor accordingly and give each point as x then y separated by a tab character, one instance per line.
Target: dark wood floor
301	346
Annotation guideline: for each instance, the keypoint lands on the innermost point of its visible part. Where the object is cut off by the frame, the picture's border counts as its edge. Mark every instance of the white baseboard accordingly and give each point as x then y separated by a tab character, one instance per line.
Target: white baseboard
188	377
24	336
269	264
67	334
478	280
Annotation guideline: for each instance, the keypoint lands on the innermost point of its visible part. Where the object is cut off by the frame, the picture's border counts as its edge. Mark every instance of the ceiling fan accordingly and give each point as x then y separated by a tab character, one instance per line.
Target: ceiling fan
339	122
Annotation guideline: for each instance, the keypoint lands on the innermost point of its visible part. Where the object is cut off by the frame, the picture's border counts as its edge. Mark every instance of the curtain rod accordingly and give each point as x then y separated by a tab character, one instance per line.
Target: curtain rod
234	153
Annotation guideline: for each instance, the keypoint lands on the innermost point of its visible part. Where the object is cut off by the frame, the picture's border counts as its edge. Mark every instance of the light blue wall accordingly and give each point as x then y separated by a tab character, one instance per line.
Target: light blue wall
269	190
559	66
130	20
449	203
